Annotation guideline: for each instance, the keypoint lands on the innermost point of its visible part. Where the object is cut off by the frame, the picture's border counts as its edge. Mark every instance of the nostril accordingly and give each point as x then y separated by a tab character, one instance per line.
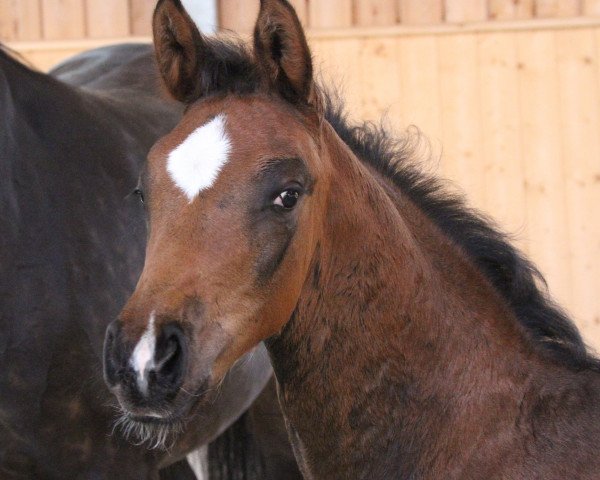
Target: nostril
111	354
170	357
170	360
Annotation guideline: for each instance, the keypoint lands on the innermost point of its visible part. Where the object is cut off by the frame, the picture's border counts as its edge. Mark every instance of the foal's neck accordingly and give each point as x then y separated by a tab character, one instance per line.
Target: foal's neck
397	340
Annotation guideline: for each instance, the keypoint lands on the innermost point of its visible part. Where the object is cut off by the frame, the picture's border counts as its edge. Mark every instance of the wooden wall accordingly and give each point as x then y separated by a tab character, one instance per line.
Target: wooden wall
73	19
511	109
513	119
239	15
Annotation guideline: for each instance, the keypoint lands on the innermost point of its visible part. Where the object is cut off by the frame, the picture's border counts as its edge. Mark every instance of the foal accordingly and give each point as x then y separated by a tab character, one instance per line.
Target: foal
409	340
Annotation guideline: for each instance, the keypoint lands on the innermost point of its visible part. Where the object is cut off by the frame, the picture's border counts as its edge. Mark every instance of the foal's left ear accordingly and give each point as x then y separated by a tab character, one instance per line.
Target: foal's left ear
282	51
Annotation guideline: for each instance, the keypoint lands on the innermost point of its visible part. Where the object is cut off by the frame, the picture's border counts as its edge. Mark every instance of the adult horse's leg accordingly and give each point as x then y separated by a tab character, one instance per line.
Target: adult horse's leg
268	427
198	460
256	446
180	470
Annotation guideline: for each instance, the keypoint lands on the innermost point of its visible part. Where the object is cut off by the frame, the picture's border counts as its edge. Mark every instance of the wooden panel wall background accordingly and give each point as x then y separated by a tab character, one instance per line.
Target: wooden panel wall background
510	107
327	14
75	19
512	118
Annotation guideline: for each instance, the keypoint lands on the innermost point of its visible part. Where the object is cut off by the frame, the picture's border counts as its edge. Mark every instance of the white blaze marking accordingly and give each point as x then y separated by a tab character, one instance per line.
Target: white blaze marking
195	164
142	359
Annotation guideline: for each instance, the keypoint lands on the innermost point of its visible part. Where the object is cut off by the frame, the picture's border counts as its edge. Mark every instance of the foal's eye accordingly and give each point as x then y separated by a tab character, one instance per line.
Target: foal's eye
287	199
139	193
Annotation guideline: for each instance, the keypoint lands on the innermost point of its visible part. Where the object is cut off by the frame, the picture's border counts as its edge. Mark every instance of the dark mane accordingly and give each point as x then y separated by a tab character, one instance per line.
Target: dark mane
515	277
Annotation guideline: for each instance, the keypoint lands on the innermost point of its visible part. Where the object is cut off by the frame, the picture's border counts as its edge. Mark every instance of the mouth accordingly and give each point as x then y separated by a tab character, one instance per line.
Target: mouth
151	430
158	428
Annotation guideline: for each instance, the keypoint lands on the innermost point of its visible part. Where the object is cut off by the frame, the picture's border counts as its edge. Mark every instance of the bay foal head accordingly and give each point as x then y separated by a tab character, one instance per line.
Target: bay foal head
235	197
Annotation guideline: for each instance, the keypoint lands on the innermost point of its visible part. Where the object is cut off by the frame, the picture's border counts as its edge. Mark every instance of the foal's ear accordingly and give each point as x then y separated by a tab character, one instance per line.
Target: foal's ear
282	52
180	50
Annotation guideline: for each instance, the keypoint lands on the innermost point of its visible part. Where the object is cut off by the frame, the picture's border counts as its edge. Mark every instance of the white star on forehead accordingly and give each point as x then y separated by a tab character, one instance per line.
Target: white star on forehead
195	164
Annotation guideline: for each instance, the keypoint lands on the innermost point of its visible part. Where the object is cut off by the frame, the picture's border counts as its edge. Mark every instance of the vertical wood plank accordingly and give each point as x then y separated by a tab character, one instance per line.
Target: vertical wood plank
107	18
421	12
140	17
557	8
420	84
63	19
591	7
503	175
580	123
238	15
547	220
330	14
336	62
375	12
301	7
380	81
510	9
20	20
458	11
7	21
461	122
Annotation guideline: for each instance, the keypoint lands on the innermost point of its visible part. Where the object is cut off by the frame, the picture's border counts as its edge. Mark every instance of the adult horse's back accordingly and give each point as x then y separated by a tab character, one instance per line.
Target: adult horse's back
67	159
72	242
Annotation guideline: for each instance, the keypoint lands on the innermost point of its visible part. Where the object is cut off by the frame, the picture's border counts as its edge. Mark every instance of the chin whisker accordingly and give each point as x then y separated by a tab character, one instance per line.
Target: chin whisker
190	394
154	435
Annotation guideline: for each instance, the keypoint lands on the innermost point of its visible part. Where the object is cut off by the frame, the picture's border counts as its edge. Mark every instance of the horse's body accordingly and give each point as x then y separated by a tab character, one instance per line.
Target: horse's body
426	345
71	247
408	338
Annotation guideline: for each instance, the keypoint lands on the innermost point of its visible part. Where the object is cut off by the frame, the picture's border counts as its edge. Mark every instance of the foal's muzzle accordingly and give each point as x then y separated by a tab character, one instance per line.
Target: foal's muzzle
148	374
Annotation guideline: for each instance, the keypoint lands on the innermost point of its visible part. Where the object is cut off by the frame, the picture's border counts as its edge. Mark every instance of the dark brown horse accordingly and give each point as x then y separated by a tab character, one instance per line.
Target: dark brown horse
408	338
72	242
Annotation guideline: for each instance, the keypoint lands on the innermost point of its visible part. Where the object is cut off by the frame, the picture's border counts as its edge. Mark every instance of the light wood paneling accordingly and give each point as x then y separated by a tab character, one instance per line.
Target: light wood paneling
546	215
557	8
418	64
591	7
375	12
45	55
330	14
518	115
421	12
106	19
340	70
460	107
76	19
238	15
20	20
140	17
381	76
577	65
63	19
466	10
510	9
503	173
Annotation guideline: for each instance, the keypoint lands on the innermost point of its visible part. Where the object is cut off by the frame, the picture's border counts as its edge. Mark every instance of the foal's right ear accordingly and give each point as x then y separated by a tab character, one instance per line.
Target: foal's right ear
180	50
282	51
